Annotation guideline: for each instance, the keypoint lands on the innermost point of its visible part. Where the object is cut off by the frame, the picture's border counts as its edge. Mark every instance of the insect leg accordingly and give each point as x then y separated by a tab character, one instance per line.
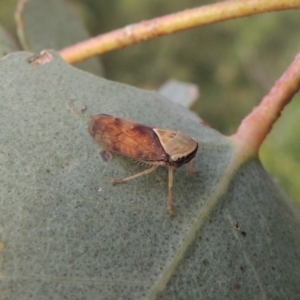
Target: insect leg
145	172
170	197
190	169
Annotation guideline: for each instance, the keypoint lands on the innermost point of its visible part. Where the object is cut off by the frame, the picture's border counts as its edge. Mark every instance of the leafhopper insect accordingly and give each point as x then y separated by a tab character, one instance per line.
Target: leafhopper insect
150	145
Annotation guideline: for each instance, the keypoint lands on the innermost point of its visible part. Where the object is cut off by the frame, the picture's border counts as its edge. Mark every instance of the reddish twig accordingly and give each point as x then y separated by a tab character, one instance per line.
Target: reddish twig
172	23
255	127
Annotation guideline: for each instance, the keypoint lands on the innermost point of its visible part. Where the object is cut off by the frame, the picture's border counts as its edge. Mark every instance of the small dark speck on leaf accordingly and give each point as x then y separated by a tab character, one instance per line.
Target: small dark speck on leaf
238	228
124	236
106	156
205	262
65	165
237	286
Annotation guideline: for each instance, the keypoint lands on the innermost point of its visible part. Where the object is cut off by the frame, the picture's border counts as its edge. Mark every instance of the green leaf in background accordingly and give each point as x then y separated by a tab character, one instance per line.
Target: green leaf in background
67	233
52	24
7	43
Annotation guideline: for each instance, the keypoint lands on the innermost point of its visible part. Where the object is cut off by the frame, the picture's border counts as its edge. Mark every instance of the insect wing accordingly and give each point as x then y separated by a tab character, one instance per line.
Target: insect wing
127	138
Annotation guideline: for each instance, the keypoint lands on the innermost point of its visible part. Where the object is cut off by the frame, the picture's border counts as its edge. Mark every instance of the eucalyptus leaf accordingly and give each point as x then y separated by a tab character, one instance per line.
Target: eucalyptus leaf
52	24
67	233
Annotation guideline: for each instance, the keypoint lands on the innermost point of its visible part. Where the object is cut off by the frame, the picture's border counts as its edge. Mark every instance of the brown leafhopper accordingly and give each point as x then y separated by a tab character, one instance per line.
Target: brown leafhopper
150	145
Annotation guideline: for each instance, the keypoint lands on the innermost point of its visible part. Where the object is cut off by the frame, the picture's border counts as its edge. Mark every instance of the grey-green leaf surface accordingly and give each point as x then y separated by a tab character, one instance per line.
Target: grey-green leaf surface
67	233
52	24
